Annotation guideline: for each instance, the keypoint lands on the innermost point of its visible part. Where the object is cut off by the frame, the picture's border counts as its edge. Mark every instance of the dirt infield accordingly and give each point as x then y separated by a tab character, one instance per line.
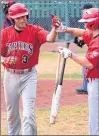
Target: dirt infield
45	92
69	95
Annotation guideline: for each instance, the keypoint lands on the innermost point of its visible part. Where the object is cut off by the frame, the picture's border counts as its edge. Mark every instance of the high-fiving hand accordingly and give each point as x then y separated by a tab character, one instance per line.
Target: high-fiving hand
57	23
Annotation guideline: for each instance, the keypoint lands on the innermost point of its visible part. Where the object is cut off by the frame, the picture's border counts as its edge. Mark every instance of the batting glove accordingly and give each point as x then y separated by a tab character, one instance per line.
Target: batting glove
56	22
65	52
61	28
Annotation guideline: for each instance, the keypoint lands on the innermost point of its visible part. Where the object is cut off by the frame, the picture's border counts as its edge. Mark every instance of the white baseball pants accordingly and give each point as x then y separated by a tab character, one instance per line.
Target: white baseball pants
14	86
93	101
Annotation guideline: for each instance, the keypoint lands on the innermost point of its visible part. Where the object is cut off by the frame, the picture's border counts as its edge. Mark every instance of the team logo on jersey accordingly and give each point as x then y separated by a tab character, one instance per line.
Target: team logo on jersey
94	54
20	46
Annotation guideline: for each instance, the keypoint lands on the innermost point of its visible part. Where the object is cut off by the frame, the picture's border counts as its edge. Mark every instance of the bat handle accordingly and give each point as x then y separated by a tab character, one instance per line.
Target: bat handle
63	66
67	44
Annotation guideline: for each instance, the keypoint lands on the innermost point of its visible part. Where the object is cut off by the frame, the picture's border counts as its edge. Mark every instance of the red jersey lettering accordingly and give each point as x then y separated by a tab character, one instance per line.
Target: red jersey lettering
23	47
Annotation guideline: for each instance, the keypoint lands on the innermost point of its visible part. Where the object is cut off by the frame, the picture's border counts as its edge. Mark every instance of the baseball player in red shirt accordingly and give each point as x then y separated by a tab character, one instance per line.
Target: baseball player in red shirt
91	61
20	46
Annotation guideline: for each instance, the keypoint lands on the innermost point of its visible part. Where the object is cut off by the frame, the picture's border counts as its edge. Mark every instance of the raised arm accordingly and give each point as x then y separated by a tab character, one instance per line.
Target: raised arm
52	35
56	23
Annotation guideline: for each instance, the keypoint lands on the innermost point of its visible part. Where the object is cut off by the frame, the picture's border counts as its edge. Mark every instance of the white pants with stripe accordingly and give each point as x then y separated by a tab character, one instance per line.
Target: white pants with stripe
16	85
93	101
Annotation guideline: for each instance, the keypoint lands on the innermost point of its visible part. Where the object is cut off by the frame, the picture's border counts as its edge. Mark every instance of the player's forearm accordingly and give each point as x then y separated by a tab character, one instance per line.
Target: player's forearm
52	35
81	60
75	31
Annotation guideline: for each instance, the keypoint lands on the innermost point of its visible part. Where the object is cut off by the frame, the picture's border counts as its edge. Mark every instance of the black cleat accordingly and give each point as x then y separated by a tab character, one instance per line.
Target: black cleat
81	91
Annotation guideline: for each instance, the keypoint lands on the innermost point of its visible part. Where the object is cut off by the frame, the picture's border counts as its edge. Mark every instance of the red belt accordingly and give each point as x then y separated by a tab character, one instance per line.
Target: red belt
91	79
19	71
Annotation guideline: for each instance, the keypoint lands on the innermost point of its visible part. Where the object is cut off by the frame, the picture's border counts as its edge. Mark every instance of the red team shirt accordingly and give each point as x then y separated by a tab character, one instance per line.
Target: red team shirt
24	47
92	54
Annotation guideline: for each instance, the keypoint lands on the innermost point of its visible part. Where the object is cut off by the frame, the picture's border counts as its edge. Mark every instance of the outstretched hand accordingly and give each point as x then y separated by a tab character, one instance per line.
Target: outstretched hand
57	23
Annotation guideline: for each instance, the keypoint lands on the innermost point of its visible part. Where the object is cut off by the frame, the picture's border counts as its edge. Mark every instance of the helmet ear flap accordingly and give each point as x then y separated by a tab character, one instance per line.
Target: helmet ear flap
90	25
93	25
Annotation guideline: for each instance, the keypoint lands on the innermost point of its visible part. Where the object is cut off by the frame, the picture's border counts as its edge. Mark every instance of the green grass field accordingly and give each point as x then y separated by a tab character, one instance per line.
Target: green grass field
71	120
48	63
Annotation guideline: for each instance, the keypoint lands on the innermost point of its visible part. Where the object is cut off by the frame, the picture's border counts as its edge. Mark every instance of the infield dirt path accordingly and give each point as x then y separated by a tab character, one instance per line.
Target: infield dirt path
45	91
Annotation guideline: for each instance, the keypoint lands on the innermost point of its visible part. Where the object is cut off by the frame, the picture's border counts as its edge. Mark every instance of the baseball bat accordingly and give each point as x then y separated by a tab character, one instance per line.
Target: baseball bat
57	94
56	83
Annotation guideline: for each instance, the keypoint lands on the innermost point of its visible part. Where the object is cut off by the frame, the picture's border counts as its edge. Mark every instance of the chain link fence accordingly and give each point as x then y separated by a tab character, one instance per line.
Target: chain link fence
40	10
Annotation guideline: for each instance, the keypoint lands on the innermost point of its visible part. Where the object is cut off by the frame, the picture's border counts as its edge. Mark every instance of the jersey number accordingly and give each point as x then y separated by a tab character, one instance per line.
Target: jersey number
25	59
